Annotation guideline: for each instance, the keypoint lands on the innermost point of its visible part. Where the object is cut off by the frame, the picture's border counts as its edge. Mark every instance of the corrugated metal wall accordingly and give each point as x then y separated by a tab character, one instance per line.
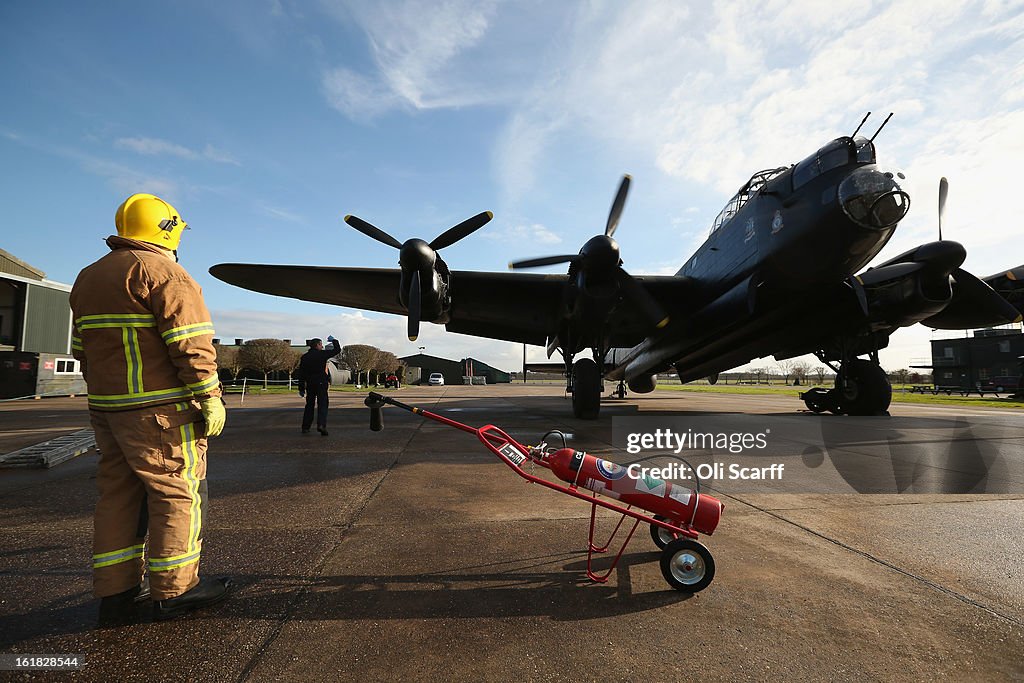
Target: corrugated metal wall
49	321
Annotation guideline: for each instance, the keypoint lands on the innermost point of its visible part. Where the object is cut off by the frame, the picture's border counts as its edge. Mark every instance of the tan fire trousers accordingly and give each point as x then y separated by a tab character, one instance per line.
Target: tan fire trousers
151	477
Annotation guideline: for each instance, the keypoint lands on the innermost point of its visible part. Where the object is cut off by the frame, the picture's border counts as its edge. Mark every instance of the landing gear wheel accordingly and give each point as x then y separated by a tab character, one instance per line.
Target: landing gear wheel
586	389
863	388
661	537
816	399
687	565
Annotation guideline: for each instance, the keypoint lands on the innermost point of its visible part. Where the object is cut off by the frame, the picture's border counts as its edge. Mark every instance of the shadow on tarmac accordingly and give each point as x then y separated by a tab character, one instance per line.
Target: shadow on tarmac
564	595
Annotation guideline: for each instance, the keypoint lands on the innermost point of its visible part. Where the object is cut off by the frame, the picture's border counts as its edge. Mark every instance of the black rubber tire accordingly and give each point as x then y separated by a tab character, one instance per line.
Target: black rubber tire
586	389
658	535
817	400
865	390
702	565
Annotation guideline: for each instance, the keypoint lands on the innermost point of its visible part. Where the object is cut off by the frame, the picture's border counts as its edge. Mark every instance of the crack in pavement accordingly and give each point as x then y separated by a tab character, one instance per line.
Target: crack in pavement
257	658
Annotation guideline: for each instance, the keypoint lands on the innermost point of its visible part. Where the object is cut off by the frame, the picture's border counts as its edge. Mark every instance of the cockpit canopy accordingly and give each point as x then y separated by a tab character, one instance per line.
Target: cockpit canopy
752	187
839	152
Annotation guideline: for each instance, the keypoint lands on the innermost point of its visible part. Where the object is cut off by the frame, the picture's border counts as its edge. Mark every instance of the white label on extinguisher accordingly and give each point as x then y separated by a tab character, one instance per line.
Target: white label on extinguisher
512	453
681	494
598	486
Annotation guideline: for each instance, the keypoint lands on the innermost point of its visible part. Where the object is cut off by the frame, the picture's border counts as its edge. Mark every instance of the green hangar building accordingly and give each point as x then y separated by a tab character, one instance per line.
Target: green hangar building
35	334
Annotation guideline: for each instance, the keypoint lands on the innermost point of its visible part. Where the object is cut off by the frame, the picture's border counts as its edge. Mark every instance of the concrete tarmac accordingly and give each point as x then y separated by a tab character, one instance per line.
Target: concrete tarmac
414	554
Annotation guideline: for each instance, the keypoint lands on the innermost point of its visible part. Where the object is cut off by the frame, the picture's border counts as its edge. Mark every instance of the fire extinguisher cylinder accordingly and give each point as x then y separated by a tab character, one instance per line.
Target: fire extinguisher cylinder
673	501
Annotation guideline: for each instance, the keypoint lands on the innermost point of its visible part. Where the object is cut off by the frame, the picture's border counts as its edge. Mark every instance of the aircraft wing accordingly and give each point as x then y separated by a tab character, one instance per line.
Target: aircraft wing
370	289
1010	285
517	307
526	307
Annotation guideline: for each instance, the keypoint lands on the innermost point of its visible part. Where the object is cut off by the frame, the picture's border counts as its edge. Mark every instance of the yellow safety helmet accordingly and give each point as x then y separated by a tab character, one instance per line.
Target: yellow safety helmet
148	218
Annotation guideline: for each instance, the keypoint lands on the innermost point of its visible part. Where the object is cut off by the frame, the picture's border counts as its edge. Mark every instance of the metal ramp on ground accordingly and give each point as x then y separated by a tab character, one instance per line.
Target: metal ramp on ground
52	452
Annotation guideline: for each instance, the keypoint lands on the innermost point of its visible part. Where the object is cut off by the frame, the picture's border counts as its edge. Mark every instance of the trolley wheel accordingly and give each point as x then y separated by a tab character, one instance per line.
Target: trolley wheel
661	537
687	565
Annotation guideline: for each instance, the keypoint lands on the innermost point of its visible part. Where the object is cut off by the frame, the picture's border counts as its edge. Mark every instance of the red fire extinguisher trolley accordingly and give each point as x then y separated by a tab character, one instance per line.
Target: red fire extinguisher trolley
676	514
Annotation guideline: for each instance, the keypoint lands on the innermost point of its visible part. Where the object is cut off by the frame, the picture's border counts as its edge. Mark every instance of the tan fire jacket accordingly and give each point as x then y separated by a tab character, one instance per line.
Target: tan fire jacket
141	330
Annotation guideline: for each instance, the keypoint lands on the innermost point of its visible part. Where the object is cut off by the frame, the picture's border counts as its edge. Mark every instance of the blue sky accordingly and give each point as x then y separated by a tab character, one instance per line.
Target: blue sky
265	122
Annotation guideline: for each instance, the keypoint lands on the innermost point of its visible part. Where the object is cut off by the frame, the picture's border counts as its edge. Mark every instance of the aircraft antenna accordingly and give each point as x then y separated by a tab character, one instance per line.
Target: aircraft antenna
861	124
881	127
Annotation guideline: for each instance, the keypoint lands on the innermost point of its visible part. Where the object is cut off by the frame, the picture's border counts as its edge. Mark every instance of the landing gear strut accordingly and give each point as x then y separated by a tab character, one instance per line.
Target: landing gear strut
862	388
586	389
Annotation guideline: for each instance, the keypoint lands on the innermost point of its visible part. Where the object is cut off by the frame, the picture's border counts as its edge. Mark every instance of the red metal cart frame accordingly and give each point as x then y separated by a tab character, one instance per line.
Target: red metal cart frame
686	564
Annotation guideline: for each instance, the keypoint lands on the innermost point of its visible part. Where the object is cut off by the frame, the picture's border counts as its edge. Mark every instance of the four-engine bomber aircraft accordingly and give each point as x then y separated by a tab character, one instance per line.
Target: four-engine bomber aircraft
776	276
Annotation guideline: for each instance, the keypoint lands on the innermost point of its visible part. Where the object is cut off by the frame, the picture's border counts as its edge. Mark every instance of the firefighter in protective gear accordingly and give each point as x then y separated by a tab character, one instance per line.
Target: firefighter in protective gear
143	335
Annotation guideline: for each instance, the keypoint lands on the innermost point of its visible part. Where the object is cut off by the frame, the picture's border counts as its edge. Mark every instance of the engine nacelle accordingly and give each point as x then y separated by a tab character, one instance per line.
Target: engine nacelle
908	299
644	384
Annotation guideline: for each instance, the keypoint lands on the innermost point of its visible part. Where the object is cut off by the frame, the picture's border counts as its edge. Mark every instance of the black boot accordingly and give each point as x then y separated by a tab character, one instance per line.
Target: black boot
205	593
122	609
322	430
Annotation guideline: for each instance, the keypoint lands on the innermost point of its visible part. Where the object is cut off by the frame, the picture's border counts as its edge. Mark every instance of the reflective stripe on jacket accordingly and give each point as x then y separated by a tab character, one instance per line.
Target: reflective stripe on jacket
141	329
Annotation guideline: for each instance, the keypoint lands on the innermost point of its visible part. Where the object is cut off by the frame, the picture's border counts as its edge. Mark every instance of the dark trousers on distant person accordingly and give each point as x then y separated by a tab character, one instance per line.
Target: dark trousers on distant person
316	399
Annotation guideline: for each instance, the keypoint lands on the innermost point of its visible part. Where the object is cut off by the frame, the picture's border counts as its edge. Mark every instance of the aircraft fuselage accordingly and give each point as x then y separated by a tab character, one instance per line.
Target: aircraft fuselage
788	236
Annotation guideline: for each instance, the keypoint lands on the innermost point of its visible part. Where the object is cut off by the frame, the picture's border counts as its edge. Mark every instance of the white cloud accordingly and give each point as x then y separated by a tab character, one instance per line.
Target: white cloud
282	214
357	96
715	95
220	156
528	234
158	147
413	44
154	147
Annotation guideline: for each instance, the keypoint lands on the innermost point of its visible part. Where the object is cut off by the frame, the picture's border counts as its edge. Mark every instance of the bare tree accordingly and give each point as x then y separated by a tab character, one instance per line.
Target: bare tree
385	363
785	368
292	363
266	356
229	358
820	372
901	375
359	358
799	369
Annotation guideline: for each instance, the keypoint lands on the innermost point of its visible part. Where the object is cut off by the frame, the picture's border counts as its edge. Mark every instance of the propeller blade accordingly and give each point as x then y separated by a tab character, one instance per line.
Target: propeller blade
642	299
372	231
616	210
463	229
414	306
943	192
542	261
